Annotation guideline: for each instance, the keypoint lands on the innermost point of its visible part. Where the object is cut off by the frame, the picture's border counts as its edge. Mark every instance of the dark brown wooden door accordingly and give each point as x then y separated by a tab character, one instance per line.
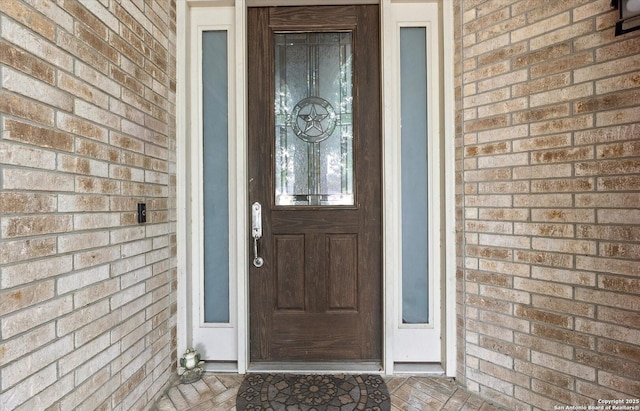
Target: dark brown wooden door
318	295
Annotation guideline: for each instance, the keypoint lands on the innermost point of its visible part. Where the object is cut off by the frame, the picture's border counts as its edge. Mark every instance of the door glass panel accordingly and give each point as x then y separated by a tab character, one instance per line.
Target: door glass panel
215	176
415	203
313	119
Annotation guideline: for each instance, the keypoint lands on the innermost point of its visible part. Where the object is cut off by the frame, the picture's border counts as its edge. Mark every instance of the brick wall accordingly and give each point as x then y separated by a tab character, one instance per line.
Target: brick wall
548	197
87	295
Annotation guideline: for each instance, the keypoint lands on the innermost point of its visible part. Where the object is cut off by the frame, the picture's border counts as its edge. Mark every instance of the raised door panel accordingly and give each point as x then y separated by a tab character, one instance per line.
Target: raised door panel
342	271
290	271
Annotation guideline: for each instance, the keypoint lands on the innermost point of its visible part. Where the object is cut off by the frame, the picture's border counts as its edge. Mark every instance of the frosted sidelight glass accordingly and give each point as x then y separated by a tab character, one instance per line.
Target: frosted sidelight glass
215	176
413	113
313	112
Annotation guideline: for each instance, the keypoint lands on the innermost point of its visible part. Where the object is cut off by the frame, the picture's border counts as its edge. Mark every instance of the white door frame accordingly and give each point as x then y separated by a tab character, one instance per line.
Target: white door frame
187	239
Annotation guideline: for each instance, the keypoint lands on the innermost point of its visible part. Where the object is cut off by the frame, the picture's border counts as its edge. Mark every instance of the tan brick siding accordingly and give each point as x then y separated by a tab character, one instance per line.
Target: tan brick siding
87	295
548	197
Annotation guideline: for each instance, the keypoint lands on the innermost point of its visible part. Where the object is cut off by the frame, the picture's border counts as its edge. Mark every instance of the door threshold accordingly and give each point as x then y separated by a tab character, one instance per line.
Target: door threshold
324	367
426	368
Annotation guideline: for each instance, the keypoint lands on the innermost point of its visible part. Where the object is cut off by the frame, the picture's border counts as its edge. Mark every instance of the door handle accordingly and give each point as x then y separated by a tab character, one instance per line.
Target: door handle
256	232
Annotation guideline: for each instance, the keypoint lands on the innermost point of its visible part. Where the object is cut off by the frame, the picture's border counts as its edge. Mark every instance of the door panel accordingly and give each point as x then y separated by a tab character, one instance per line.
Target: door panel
289	271
342	271
318	295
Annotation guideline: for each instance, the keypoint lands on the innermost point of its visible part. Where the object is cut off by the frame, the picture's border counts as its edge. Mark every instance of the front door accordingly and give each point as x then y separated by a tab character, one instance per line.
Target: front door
315	169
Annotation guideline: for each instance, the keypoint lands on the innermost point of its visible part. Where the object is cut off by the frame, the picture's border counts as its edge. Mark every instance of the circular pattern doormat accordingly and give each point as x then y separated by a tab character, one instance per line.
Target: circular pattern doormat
292	392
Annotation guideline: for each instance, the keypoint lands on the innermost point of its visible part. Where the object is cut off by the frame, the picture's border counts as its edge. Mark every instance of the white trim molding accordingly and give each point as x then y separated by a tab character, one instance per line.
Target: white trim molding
448	69
183	326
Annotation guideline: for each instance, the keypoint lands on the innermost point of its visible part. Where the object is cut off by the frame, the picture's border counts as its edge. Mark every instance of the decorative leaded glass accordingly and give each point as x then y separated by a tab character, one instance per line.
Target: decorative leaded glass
313	112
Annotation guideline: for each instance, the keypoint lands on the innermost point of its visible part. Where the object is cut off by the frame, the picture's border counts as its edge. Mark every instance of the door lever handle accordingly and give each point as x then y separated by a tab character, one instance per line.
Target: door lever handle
257	260
256	232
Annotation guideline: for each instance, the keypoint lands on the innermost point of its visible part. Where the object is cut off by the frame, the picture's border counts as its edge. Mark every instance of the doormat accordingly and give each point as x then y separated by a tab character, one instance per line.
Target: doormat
294	392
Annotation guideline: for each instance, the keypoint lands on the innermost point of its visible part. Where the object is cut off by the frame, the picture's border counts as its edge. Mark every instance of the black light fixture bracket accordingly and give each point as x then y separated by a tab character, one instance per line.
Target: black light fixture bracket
628	15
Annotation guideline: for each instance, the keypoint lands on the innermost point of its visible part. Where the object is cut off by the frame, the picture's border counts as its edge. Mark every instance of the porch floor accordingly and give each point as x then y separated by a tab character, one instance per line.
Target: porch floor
218	392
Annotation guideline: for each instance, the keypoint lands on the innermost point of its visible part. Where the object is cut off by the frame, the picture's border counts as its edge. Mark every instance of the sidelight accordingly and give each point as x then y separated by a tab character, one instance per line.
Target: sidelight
415	201
215	176
313	119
